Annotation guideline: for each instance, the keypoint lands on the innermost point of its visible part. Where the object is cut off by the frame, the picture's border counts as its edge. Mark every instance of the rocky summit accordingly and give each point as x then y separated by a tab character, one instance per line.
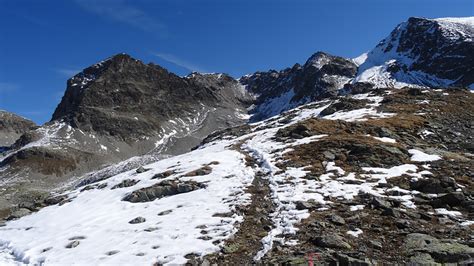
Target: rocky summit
362	161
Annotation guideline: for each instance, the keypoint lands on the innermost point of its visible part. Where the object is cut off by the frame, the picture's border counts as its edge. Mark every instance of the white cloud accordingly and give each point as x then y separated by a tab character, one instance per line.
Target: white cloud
68	72
8	87
118	10
179	62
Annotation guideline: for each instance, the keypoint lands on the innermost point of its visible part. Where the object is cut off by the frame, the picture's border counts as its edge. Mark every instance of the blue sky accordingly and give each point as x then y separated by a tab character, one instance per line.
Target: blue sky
43	43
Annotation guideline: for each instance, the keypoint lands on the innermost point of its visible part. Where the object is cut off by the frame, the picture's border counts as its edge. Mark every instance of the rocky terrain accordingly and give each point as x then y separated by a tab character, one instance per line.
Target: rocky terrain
352	161
114	110
12	127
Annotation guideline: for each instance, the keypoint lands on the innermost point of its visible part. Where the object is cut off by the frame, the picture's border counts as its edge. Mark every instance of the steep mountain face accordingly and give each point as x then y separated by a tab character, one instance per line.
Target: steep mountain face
12	127
424	52
124	98
320	77
120	108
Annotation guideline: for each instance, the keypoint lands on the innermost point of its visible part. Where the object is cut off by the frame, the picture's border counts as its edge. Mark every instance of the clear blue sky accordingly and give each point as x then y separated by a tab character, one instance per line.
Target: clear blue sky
43	43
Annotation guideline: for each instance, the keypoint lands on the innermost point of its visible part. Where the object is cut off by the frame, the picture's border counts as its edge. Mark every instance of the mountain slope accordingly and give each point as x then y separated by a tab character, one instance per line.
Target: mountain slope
117	109
345	177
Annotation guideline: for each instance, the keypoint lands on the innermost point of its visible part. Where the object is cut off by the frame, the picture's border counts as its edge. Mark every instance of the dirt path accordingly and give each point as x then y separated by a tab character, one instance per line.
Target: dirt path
244	245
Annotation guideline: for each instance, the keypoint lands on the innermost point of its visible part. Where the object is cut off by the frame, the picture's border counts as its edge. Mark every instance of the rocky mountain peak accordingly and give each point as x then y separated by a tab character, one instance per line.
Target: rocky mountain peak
424	52
318	60
12	126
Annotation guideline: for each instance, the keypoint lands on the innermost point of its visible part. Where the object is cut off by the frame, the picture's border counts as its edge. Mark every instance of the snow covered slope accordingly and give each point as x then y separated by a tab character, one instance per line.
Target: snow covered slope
423	52
188	207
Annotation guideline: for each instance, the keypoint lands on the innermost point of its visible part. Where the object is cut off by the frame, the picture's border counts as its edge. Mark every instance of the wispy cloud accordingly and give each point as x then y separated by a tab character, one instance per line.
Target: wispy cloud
179	62
68	72
119	10
8	87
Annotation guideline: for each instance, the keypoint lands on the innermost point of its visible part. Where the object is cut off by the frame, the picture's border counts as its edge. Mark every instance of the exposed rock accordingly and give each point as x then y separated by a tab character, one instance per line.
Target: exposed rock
162	189
331	241
137	220
336	219
440	251
19	213
73	244
380	203
125	183
451	199
205	170
346	260
12	127
164	174
434	185
307	205
141	169
344	104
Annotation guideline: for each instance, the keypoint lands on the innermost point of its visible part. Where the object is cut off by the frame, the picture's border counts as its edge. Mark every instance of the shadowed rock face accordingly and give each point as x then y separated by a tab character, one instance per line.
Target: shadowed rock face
321	76
426	52
126	99
437	51
12	127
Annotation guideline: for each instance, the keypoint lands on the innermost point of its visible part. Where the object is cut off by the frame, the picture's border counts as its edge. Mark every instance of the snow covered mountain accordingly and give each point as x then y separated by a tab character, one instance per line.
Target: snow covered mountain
419	52
424	52
350	161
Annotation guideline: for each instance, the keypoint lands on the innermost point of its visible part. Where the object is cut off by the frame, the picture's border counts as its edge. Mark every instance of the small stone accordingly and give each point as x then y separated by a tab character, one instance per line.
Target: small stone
392	212
77	238
141	169
112	252
137	220
375	244
306	205
336	219
73	244
165	212
232	248
125	183
402	224
151	229
380	203
329	155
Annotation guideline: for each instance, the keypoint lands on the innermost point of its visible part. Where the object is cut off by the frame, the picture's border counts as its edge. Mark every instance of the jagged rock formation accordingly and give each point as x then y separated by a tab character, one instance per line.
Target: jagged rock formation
12	127
320	77
124	98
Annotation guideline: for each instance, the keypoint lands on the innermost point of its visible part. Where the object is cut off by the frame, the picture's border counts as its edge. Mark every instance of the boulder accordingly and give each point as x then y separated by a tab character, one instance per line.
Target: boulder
162	189
331	241
447	251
